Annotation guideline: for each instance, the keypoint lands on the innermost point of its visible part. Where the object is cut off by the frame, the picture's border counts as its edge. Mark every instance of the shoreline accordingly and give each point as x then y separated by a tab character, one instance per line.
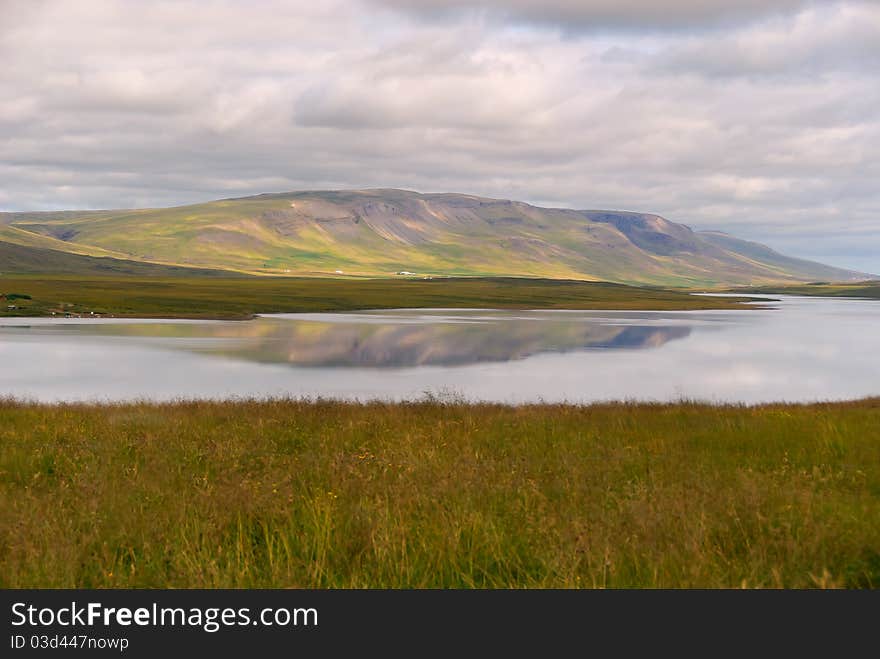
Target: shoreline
242	298
452	401
737	304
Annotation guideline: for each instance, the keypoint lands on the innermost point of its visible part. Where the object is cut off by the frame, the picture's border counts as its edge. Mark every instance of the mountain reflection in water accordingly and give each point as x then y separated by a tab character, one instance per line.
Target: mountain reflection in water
396	342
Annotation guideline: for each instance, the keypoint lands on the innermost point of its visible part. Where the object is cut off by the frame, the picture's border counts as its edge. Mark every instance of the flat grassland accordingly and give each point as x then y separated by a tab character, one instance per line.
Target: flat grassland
439	494
864	289
243	297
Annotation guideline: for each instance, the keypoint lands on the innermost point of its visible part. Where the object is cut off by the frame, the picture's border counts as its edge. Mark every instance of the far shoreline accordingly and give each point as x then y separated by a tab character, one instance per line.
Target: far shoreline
246	298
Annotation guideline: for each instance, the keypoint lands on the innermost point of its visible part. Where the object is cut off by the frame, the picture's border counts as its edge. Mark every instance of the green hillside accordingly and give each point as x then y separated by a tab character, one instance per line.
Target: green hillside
21	259
385	232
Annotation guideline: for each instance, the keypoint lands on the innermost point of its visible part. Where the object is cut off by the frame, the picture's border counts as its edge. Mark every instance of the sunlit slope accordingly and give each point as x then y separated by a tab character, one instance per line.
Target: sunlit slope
382	232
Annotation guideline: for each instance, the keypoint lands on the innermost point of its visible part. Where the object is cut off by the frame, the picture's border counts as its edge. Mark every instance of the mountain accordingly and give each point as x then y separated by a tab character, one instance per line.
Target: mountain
385	232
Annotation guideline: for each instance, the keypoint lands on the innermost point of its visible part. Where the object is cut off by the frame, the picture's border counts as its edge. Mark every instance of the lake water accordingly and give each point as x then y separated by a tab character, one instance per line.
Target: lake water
805	349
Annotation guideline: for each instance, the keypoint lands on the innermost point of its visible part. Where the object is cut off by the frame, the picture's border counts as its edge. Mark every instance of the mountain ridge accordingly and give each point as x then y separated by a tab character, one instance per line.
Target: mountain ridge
384	231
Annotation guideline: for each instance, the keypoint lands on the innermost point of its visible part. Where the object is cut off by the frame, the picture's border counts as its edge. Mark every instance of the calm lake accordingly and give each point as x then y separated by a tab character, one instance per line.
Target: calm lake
805	349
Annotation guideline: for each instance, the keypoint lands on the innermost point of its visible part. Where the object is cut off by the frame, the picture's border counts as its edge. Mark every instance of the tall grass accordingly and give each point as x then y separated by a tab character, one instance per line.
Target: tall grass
439	494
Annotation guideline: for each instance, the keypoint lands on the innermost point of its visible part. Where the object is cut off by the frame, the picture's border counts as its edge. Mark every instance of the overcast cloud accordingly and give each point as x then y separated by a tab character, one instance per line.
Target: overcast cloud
763	120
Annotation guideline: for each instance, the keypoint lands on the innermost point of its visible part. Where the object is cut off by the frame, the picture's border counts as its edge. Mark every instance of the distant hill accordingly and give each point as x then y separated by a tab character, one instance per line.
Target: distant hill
763	254
385	232
19	259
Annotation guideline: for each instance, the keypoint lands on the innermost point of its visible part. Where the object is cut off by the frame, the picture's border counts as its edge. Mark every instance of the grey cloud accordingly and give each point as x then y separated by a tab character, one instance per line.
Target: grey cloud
835	37
599	14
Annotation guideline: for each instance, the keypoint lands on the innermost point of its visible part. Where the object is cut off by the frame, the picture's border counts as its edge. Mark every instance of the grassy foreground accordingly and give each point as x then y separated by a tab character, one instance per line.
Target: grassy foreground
434	494
243	297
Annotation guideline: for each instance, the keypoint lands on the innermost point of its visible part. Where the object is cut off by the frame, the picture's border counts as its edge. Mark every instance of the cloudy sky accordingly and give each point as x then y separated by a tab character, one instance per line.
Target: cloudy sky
757	117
